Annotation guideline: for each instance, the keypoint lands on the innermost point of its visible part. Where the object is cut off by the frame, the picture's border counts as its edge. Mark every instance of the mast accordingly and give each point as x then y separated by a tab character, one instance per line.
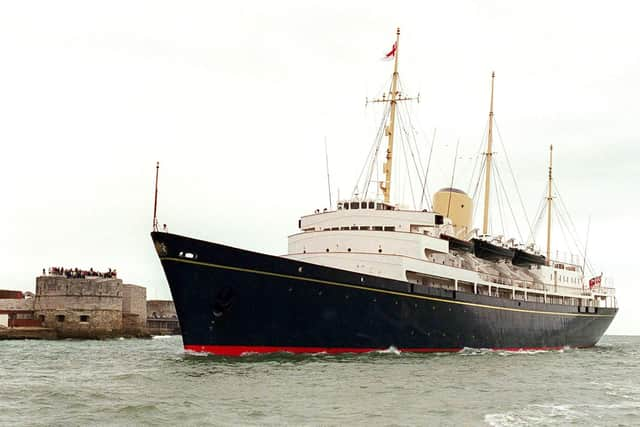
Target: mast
489	154
549	200
386	187
155	201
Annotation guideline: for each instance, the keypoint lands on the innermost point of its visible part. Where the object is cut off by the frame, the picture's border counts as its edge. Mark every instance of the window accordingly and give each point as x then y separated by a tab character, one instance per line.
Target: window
389	228
355	205
84	318
60	318
371	205
379	206
377	227
339	206
346	206
344	228
363	205
364	227
439	220
355	227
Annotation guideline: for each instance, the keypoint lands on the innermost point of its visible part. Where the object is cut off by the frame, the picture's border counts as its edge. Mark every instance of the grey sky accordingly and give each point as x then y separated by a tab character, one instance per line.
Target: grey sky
235	99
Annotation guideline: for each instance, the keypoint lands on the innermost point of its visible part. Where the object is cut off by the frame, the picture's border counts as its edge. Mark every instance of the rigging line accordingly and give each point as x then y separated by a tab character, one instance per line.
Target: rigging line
504	190
564	206
573	240
426	172
564	225
373	149
562	229
372	157
404	144
479	154
538	216
413	157
571	229
499	203
481	171
326	155
475	191
453	174
513	177
412	136
584	258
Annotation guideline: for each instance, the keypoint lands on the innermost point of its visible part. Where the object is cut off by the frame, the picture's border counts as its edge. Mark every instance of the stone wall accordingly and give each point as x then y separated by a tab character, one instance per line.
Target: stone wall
24	304
134	309
80	308
161	309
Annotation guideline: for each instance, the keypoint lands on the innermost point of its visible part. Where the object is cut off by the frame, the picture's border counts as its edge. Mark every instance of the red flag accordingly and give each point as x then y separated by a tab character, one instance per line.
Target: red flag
595	281
392	53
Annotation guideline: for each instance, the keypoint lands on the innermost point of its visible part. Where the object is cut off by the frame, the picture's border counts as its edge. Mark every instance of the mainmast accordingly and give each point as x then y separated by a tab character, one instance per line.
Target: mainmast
549	200
386	187
489	154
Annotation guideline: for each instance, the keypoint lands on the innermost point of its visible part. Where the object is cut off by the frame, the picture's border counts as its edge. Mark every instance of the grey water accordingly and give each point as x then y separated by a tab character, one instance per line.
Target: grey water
154	382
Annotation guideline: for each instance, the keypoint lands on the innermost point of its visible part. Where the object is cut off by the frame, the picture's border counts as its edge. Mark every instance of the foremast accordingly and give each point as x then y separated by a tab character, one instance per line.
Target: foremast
393	99
386	187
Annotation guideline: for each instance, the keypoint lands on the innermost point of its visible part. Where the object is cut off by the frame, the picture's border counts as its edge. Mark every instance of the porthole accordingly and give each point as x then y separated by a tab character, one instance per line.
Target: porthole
189	255
327	249
379	250
361	279
299	269
349	250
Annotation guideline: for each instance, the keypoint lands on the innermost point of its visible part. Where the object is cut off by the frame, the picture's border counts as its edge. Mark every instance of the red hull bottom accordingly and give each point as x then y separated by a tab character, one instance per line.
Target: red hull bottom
239	350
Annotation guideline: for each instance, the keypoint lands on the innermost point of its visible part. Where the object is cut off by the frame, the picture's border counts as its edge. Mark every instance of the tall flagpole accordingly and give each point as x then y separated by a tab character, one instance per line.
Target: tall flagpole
549	200
155	201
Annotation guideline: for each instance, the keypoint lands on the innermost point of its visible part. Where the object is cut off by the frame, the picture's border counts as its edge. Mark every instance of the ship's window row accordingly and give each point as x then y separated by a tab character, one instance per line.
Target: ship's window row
360	227
365	205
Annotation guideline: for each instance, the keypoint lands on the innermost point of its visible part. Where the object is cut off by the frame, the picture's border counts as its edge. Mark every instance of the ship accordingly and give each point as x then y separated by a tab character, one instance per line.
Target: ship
368	275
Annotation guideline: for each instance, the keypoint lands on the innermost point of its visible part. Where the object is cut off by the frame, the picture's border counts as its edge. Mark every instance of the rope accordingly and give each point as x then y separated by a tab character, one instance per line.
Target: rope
515	222
513	177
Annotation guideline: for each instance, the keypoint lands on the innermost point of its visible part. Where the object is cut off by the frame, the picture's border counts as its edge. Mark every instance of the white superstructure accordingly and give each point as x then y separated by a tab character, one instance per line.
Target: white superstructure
377	238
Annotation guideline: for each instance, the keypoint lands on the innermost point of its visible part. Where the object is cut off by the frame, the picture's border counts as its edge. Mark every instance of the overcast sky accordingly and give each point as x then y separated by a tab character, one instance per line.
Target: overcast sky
235	99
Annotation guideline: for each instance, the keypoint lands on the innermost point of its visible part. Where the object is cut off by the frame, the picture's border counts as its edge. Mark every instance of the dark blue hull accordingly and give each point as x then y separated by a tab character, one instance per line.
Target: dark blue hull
231	301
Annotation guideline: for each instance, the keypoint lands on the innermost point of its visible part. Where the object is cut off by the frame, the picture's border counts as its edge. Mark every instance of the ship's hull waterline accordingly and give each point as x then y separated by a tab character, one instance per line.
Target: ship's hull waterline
232	301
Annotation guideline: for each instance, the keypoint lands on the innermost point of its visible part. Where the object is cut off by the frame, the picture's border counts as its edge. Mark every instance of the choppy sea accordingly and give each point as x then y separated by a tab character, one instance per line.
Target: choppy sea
154	382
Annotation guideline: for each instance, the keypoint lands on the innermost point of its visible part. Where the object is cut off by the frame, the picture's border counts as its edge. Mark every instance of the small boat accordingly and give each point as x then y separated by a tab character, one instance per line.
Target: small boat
487	250
526	258
456	244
